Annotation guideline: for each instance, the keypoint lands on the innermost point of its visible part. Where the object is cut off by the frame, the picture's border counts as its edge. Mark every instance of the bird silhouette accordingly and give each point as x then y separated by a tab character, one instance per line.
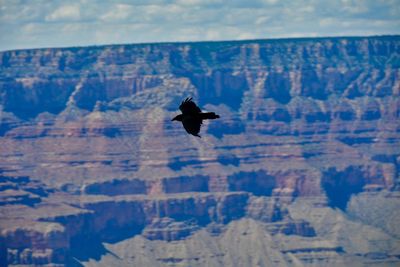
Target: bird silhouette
192	117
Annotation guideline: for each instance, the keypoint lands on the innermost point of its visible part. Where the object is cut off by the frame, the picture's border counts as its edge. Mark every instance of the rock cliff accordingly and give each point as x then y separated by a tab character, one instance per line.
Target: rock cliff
303	168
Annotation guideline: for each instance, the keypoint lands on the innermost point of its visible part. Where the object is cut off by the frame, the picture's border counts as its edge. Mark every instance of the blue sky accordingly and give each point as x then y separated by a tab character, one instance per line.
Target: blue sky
39	23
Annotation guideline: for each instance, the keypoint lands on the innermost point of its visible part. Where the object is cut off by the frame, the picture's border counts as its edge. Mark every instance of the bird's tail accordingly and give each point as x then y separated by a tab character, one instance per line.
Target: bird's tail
209	116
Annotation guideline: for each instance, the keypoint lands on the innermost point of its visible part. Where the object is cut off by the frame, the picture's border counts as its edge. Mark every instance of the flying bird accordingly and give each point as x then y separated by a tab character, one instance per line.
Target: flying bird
192	117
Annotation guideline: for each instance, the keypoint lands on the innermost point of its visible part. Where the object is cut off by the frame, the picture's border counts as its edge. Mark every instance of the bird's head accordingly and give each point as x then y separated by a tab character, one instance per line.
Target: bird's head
178	118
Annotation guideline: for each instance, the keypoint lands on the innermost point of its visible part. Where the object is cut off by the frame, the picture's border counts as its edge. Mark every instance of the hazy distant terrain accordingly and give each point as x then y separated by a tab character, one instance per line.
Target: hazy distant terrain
302	168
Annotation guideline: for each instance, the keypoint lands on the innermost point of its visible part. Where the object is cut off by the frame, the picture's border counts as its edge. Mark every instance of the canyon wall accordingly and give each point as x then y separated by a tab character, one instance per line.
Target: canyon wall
300	169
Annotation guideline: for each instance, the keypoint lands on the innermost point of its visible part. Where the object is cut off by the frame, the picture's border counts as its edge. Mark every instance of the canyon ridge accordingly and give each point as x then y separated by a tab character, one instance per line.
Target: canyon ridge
302	168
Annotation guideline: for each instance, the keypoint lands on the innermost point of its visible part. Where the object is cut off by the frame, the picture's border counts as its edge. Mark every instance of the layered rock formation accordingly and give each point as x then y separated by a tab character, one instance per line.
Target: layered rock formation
301	169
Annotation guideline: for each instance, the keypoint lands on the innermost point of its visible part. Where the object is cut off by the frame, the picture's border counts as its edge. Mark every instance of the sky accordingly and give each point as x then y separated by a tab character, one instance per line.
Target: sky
40	23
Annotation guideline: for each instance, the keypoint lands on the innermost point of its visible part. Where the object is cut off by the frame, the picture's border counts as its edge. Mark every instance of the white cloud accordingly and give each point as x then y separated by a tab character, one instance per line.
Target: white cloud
327	22
73	28
270	2
29	28
192	3
119	12
65	13
262	20
355	6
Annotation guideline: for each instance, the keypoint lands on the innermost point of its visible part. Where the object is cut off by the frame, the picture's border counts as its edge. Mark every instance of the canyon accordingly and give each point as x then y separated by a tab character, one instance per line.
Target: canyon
302	168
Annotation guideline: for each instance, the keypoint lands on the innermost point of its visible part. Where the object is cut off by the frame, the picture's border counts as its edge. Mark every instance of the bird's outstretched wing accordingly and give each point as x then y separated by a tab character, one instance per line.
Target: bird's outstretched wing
189	107
192	125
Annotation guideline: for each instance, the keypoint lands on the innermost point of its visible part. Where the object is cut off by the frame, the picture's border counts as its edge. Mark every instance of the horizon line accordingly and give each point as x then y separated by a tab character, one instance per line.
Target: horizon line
294	38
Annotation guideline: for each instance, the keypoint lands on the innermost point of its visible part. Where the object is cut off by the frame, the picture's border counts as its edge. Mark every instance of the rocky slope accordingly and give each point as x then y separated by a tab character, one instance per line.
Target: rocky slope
302	168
